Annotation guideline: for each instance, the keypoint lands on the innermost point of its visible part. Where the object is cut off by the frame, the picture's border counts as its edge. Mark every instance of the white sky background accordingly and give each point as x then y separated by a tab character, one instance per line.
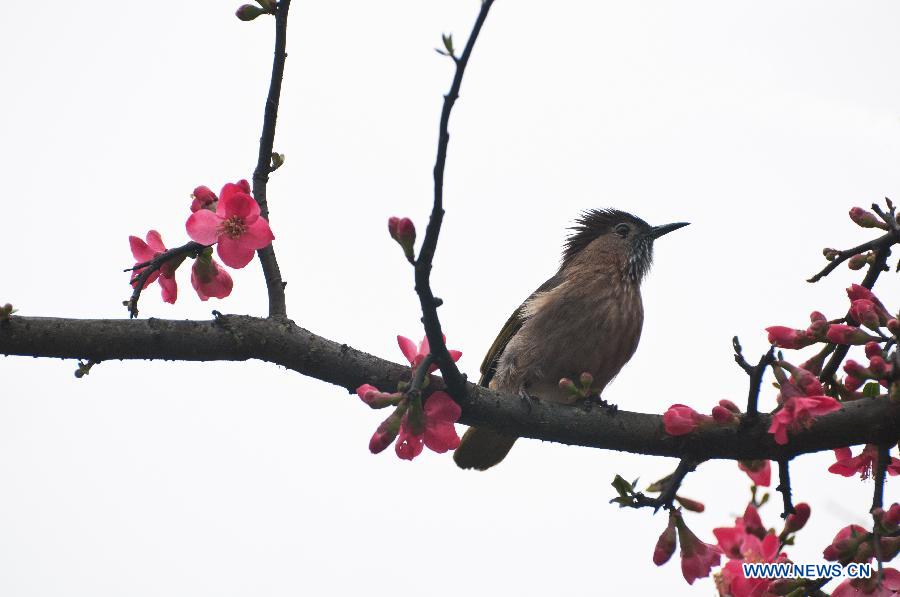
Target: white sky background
761	123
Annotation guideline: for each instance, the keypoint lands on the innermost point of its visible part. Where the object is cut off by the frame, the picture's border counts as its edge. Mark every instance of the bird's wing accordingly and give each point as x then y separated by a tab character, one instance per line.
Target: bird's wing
513	325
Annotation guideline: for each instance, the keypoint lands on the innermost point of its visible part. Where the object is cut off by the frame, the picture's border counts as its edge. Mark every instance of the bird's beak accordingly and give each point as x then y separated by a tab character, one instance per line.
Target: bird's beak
658	231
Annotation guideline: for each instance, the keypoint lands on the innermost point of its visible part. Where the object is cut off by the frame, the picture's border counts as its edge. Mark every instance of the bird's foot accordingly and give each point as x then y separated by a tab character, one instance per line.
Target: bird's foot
527	398
593	400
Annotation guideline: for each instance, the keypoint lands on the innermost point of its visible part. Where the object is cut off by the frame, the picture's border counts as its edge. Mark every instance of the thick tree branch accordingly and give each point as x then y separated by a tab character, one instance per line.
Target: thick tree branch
240	338
271	271
455	381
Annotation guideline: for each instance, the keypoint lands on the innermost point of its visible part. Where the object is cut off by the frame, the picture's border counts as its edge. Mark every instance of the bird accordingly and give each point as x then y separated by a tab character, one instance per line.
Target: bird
585	318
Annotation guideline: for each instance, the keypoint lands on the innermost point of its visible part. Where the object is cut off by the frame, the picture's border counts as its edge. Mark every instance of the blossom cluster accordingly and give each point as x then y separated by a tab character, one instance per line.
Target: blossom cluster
231	221
414	423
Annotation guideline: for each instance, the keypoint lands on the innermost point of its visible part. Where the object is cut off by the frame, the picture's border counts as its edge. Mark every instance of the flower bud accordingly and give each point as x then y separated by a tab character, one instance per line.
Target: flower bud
786	337
863	311
866	219
854	369
387	431
856	292
847	334
873	349
817	316
798	519
203	198
665	545
375	398
878	366
587	380
725	403
248	12
852	383
567	385
403	231
689	504
857	262
893	326
723	416
5	312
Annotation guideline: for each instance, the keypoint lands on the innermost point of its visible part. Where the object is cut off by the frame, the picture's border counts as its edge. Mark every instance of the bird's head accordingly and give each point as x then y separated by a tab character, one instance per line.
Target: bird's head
614	235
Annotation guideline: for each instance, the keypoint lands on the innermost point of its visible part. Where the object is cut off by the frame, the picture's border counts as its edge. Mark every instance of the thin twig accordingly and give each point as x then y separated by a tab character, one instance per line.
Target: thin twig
145	270
784	487
879	243
452	377
756	376
271	272
665	499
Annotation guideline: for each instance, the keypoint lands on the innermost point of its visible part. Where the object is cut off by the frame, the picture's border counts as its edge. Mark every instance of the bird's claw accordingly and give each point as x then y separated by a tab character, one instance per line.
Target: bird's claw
527	398
596	400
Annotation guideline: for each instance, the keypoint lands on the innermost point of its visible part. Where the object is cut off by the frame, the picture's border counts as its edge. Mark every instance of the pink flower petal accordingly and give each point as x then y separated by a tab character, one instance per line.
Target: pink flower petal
258	234
141	251
241	205
408	348
154	241
169	289
203	227
233	252
441	437
441	407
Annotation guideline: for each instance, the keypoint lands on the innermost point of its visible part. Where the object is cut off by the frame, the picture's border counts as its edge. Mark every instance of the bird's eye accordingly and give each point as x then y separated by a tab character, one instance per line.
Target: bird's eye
622	230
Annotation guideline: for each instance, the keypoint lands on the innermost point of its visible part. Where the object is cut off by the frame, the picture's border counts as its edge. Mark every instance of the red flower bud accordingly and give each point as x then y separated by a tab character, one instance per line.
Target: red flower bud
866	219
893	326
853	368
873	349
725	403
864	311
403	231
723	416
817	316
665	545
878	366
248	12
203	198
785	337
856	292
689	504
857	262
852	383
847	334
798	519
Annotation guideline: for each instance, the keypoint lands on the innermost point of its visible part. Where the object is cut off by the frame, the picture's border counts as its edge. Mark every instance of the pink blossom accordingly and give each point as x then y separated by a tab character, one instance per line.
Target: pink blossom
734	583
439	434
147	251
403	231
209	279
415	355
697	557
848	465
236	226
868	587
204	198
759	471
799	412
785	337
752	522
680	419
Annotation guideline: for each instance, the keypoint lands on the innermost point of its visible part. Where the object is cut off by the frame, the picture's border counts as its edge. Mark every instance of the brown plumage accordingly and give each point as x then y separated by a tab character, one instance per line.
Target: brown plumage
587	317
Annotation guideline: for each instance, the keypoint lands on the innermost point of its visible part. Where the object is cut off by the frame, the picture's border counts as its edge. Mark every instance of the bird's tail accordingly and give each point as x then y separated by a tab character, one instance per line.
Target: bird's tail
482	448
